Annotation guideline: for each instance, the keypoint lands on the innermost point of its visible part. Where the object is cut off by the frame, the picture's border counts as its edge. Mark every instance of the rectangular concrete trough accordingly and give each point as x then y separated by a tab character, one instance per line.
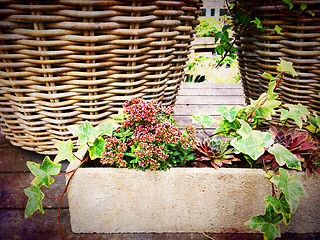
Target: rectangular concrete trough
111	200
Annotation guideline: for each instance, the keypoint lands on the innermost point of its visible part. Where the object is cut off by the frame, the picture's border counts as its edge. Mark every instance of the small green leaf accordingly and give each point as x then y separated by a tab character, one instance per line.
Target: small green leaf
278	29
281	206
284	156
257	22
97	148
289	3
315	123
229	114
285	66
267	109
205	119
271	94
311	13
268	75
85	133
35	200
266	223
291	187
65	151
268	175
105	128
298	113
245	129
43	172
303	6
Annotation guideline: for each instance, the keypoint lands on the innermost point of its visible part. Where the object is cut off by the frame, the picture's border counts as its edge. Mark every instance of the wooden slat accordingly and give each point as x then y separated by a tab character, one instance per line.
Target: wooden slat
13	184
210	92
211	85
210	100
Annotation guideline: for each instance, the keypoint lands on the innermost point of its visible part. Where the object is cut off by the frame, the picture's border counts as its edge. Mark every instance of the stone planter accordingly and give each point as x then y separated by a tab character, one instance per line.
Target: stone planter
111	200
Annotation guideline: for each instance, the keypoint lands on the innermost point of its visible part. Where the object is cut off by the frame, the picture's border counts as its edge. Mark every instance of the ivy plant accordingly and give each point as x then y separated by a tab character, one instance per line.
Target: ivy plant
245	127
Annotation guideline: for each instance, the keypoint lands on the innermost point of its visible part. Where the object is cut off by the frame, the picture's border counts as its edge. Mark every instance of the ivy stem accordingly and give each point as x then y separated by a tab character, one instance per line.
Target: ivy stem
238	34
64	191
272	185
205	131
264	100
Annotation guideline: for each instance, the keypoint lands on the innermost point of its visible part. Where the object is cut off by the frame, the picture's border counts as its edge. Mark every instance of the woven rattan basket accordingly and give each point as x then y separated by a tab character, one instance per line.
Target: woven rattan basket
64	62
259	52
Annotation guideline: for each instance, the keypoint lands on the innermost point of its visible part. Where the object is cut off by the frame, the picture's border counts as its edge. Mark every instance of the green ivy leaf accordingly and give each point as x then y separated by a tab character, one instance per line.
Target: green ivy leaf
284	156
298	113
227	128
285	66
289	3
268	75
245	129
303	6
267	109
97	148
291	187
257	22
229	114
271	94
252	143
266	223
43	172
65	151
281	206
85	133
278	29
205	119
35	200
315	123
105	128
311	13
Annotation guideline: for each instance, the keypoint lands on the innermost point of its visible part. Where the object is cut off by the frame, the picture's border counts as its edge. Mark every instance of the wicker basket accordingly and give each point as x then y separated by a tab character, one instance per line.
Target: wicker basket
259	52
64	62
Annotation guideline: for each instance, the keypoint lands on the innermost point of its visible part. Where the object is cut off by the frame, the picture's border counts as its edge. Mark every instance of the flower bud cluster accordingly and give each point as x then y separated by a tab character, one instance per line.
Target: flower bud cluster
140	111
114	152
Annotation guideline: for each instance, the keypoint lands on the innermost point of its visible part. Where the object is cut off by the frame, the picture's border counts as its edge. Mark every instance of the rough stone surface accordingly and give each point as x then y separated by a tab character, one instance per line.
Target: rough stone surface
110	200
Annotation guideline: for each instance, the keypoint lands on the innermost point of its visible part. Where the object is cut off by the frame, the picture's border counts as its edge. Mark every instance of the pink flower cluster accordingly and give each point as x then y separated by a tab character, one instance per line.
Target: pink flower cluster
150	137
140	111
114	152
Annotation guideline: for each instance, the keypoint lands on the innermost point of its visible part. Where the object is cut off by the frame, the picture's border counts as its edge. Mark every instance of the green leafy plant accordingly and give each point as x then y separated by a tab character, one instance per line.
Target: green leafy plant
87	136
284	147
143	136
243	20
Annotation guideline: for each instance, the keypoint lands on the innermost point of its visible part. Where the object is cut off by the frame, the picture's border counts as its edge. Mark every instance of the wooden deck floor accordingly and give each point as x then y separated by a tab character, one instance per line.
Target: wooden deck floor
14	177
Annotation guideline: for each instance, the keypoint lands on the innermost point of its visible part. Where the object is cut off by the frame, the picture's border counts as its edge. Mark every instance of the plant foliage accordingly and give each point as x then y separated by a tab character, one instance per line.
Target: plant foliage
279	148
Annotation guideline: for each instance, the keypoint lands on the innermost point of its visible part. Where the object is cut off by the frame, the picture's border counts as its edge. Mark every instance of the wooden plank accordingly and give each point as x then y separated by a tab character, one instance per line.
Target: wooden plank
192	109
211	85
39	226
210	92
14	159
210	100
13	184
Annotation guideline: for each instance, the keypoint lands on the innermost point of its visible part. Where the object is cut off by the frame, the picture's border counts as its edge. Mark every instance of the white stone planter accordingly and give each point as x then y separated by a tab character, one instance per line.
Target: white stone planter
111	200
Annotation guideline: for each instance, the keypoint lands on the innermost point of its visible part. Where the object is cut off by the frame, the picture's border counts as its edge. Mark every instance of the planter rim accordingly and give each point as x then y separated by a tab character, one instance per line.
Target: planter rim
81	152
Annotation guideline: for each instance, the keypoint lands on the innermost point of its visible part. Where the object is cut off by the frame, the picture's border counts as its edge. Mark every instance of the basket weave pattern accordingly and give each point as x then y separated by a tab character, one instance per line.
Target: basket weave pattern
259	52
64	62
